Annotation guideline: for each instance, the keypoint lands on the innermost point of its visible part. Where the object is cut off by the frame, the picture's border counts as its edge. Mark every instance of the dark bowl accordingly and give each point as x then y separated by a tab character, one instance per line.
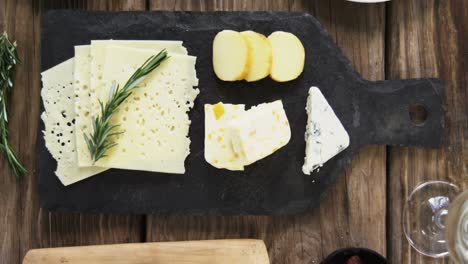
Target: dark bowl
342	255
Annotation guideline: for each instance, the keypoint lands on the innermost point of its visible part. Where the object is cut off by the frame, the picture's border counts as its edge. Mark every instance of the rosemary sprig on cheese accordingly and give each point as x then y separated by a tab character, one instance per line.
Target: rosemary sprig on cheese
99	140
8	61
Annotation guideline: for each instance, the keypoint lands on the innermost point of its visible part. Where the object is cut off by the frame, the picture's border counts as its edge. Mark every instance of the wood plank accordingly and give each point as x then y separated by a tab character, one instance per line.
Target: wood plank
14	195
353	213
428	38
36	227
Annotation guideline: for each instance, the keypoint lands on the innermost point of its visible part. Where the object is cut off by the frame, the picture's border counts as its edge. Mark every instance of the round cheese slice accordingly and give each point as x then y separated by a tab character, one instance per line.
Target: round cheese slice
230	56
288	56
259	55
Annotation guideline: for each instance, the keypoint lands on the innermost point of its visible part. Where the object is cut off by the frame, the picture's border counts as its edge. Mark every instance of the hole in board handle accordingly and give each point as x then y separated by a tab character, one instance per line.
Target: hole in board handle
417	114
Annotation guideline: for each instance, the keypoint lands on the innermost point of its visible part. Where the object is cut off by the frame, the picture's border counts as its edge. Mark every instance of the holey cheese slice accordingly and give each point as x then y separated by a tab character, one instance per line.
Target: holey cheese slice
154	118
259	132
83	109
325	135
59	119
89	65
218	146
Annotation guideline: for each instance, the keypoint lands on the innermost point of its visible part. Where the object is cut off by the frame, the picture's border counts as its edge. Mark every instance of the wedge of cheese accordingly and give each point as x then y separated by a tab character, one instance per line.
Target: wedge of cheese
59	119
259	132
89	65
154	118
218	146
325	135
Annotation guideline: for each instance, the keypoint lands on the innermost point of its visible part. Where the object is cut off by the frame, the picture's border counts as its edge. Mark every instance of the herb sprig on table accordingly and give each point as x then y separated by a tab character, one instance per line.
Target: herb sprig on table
99	141
8	61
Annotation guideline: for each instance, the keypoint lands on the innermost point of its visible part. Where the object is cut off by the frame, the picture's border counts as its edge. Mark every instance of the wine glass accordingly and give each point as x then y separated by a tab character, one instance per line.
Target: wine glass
435	220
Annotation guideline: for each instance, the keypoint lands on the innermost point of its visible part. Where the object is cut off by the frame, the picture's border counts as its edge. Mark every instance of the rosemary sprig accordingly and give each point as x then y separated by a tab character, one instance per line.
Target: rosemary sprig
99	140
8	61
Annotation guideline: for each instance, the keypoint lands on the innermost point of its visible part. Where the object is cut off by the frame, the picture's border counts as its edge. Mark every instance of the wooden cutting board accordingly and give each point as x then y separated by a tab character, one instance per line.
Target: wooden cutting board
235	251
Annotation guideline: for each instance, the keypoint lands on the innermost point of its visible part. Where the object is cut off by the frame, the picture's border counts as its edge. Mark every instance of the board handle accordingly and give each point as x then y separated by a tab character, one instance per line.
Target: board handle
406	112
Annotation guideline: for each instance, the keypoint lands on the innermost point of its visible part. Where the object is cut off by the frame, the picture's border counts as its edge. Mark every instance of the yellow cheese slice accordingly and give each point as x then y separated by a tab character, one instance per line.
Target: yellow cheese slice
89	64
154	118
259	55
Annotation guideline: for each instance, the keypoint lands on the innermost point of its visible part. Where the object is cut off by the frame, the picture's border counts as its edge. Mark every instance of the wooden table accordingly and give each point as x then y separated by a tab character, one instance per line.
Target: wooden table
400	39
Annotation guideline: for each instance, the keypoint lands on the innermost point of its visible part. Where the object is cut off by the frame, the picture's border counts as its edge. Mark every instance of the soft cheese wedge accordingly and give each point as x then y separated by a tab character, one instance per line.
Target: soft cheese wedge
230	56
154	118
288	56
218	146
59	123
89	65
259	55
325	135
260	131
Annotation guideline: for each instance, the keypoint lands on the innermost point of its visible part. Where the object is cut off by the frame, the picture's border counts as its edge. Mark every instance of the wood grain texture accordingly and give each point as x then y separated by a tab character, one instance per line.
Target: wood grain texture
353	213
421	38
16	200
234	251
22	224
428	38
86	229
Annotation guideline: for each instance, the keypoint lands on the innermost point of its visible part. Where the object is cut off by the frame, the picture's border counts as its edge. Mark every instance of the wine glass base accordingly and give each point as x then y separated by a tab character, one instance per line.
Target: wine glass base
424	217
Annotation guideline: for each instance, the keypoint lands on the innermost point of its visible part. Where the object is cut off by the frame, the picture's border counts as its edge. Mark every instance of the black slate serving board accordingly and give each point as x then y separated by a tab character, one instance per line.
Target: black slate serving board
372	113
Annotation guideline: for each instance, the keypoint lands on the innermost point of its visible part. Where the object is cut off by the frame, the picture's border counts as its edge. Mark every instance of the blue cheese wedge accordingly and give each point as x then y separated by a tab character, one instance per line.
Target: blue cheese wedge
259	132
218	147
325	135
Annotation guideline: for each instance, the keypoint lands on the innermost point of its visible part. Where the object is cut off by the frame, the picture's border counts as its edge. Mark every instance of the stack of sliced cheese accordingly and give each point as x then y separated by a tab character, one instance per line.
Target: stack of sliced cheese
251	56
154	118
235	138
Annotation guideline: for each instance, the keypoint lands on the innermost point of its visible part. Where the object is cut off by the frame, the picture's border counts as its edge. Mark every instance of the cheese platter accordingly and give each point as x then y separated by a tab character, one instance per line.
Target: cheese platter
226	112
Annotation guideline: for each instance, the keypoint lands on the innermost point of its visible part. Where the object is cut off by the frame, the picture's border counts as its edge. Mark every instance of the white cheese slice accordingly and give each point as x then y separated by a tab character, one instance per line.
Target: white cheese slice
154	118
325	135
59	120
83	107
218	147
89	66
260	131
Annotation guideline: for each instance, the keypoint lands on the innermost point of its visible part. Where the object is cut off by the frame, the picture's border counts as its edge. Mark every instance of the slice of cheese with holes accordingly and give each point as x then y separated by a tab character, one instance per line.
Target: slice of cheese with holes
260	131
325	135
218	147
154	118
59	120
89	65
83	107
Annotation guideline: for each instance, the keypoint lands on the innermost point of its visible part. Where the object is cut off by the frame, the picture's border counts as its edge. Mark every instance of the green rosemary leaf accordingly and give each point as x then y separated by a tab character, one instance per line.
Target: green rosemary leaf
99	140
8	61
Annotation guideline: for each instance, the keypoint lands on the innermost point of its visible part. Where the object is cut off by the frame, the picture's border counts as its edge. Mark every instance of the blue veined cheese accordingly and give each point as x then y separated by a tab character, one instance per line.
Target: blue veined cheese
218	146
59	123
260	131
325	135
